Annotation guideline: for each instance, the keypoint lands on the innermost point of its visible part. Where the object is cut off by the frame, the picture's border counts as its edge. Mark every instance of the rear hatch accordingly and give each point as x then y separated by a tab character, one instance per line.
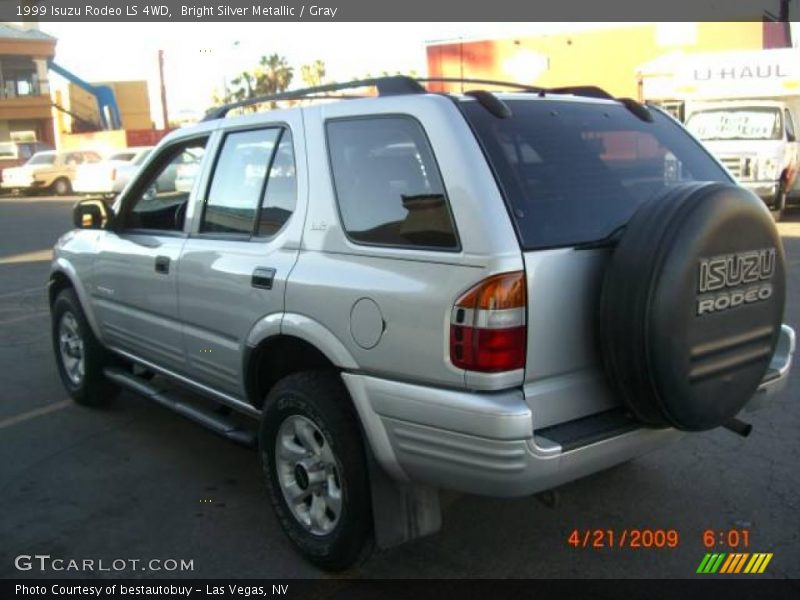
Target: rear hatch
572	172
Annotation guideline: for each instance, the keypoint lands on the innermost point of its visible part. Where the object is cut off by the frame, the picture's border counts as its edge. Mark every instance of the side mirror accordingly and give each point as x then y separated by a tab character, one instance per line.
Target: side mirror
92	214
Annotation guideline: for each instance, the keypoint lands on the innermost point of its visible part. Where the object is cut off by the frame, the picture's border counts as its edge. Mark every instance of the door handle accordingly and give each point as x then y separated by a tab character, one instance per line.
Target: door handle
162	264
262	278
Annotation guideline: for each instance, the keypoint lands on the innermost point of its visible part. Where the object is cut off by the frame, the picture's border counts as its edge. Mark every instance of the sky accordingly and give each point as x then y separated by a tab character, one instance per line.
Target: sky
201	56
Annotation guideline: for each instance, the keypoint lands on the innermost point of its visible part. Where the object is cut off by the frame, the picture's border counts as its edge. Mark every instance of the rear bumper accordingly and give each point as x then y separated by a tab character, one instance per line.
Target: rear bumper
485	443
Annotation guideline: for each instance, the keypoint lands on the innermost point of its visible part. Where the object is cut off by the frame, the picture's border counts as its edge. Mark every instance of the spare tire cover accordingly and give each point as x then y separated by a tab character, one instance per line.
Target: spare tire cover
691	305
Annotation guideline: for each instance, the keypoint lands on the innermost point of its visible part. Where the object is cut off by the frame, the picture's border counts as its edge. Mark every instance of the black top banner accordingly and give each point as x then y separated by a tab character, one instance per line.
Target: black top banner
407	10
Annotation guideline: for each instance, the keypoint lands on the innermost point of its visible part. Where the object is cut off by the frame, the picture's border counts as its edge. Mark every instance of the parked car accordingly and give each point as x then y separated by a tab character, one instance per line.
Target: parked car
494	293
50	170
13	154
186	171
109	176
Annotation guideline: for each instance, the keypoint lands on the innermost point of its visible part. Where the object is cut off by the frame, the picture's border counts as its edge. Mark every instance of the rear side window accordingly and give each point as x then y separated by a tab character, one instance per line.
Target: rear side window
280	196
574	172
388	185
238	183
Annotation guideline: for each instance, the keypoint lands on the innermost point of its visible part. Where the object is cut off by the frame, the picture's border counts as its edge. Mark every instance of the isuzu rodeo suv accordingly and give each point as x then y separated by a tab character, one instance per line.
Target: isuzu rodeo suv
488	292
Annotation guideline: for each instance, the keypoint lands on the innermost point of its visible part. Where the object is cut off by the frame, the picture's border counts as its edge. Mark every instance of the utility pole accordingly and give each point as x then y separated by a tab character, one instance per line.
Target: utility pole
783	16
164	113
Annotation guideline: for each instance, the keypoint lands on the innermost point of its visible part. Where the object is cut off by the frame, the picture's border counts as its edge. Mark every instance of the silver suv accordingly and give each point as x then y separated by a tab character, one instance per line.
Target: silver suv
494	293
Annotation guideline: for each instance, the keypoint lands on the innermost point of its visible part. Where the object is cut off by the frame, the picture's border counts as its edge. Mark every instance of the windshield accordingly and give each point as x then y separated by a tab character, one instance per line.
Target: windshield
574	172
8	149
746	123
42	159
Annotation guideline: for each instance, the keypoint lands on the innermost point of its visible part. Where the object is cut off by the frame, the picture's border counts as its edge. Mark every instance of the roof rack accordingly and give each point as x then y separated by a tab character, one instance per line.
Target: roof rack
508	84
399	85
395	85
589	91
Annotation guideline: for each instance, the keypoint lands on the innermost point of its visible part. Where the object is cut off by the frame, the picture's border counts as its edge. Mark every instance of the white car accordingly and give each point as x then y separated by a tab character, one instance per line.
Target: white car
109	176
54	171
186	171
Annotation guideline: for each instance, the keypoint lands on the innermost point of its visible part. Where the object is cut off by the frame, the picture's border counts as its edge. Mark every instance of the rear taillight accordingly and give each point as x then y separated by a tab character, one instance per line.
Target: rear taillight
487	326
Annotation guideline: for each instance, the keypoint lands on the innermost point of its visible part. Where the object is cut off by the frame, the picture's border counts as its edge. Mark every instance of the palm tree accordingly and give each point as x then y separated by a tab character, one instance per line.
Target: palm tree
313	74
273	75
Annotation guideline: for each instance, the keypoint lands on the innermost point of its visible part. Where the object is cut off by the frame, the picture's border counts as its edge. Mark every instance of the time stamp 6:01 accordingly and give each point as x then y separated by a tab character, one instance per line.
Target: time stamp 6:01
732	539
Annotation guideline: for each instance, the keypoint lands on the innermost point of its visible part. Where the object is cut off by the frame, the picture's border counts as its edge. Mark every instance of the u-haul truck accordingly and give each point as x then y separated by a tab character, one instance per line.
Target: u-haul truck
744	106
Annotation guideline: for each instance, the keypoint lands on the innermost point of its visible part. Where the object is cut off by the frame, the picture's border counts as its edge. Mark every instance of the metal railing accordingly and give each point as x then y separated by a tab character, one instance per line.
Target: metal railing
20	88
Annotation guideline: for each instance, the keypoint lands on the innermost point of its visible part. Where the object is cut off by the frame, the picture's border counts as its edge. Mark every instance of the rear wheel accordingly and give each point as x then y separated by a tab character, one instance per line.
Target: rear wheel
79	356
314	461
62	186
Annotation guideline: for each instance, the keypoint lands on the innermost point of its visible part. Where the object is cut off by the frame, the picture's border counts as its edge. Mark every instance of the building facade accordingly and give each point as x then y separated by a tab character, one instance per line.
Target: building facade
609	57
25	106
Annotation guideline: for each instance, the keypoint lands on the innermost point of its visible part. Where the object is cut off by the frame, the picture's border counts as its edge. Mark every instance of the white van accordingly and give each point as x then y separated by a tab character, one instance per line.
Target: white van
756	140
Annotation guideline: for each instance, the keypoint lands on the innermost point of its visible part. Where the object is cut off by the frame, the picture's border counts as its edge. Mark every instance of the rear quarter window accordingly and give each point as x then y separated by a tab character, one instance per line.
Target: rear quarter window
387	184
573	172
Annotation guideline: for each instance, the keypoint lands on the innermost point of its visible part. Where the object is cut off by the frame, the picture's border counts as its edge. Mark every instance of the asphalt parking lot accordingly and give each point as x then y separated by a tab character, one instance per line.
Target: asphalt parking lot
134	481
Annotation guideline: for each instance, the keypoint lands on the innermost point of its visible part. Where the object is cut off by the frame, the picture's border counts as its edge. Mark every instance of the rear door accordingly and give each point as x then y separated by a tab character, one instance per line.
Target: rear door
245	235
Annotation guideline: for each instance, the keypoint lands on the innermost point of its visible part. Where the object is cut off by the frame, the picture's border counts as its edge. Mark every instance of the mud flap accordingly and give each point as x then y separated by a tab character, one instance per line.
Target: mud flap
401	512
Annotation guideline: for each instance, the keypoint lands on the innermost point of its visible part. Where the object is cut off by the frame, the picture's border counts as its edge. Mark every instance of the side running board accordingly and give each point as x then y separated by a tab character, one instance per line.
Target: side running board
220	424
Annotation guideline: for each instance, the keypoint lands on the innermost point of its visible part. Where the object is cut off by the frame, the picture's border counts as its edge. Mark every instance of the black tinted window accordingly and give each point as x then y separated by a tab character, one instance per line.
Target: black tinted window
573	172
238	181
387	183
280	196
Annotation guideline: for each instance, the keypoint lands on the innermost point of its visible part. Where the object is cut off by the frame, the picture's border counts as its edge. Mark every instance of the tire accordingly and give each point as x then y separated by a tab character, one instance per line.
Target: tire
691	306
73	340
61	186
309	414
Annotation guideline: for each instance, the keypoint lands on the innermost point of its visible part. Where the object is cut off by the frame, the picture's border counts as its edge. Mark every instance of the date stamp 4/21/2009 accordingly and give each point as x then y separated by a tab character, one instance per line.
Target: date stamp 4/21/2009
624	538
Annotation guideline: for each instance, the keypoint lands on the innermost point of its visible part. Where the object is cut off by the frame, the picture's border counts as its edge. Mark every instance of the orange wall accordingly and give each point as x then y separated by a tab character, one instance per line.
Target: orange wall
102	142
132	98
604	57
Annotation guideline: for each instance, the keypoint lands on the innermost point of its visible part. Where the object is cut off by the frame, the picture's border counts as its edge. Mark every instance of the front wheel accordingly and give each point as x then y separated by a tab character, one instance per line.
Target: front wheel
79	356
316	470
